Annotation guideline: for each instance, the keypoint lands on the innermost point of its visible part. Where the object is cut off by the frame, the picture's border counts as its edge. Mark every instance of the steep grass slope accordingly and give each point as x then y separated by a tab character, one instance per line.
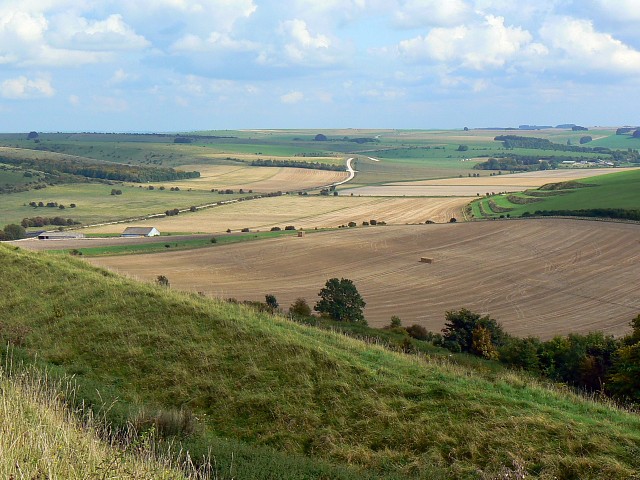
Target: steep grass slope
41	438
620	190
271	383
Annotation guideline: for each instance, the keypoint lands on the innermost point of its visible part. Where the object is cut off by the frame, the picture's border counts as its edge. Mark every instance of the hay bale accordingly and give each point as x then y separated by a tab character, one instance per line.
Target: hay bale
426	260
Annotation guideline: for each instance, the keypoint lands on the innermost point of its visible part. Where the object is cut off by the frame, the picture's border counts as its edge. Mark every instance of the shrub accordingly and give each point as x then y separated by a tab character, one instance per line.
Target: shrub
418	332
162	280
395	322
466	331
453	220
300	308
271	302
289	227
213	240
275	229
245	229
14	232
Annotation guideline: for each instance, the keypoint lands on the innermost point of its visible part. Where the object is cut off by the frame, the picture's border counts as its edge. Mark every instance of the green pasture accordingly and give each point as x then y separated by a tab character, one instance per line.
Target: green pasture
622	142
9	175
95	204
171	245
616	191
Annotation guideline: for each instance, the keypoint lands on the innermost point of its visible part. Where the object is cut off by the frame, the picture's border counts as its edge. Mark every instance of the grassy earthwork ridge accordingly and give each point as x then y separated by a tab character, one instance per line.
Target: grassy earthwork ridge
615	191
288	398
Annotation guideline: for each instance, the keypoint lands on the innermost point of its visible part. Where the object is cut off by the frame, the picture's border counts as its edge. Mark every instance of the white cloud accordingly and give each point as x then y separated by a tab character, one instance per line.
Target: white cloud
384	93
120	77
304	47
74	100
292	97
478	47
25	88
416	13
29	38
216	41
327	11
577	45
196	17
79	33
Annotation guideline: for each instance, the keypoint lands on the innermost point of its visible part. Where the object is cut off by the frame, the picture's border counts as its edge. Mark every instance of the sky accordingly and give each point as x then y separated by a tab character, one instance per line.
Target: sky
184	65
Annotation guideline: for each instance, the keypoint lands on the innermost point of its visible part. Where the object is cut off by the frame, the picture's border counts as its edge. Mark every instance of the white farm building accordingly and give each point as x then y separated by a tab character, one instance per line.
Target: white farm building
140	232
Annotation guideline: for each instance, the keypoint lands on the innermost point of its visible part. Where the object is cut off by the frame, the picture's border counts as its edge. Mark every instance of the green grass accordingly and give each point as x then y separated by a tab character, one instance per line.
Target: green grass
333	406
41	437
619	190
95	204
171	245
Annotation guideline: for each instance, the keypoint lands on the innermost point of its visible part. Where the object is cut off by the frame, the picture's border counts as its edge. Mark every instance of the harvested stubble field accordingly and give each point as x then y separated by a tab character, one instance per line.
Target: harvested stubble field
258	179
537	277
307	212
472	186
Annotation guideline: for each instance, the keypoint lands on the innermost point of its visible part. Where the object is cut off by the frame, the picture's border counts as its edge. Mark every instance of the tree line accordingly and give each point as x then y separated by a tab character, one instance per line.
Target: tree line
594	362
297	164
102	171
617	213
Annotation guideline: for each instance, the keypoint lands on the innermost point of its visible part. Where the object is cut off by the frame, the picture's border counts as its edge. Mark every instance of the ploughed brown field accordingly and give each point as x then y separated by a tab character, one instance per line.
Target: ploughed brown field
537	277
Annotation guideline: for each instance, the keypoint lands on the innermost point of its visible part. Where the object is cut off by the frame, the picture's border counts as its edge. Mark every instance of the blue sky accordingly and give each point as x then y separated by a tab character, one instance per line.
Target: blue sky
178	65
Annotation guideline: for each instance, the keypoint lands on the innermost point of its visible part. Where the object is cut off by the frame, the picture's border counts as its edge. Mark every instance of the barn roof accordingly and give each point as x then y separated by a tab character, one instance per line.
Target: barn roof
138	230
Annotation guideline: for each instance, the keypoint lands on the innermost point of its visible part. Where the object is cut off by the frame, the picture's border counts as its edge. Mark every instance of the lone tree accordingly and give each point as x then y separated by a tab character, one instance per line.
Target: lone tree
341	301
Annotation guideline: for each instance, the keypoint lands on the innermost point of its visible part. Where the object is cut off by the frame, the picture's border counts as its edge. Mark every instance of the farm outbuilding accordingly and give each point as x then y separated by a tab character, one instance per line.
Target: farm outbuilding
140	232
59	235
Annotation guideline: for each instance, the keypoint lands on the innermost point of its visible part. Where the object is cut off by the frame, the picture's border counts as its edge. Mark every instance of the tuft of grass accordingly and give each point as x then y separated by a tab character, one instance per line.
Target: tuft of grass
41	437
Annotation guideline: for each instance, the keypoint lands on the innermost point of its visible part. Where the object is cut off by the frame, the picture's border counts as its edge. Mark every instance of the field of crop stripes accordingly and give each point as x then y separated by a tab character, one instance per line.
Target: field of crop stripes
537	277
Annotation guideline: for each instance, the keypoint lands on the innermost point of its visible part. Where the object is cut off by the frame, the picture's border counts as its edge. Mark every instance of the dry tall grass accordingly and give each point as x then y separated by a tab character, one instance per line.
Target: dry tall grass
41	437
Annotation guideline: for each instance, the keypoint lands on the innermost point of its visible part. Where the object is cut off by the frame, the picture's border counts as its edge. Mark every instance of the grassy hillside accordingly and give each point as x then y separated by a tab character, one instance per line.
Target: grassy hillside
614	191
236	380
41	438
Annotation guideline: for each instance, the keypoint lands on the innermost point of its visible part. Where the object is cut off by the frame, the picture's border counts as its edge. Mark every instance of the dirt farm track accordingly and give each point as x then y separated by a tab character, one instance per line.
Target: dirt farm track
537	277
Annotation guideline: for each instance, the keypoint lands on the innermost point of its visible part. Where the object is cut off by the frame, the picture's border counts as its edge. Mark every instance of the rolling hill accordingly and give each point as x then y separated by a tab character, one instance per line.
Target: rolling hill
290	398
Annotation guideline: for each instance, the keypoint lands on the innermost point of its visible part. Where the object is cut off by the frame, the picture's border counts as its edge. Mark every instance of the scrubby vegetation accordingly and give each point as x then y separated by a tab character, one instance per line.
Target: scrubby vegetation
87	168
